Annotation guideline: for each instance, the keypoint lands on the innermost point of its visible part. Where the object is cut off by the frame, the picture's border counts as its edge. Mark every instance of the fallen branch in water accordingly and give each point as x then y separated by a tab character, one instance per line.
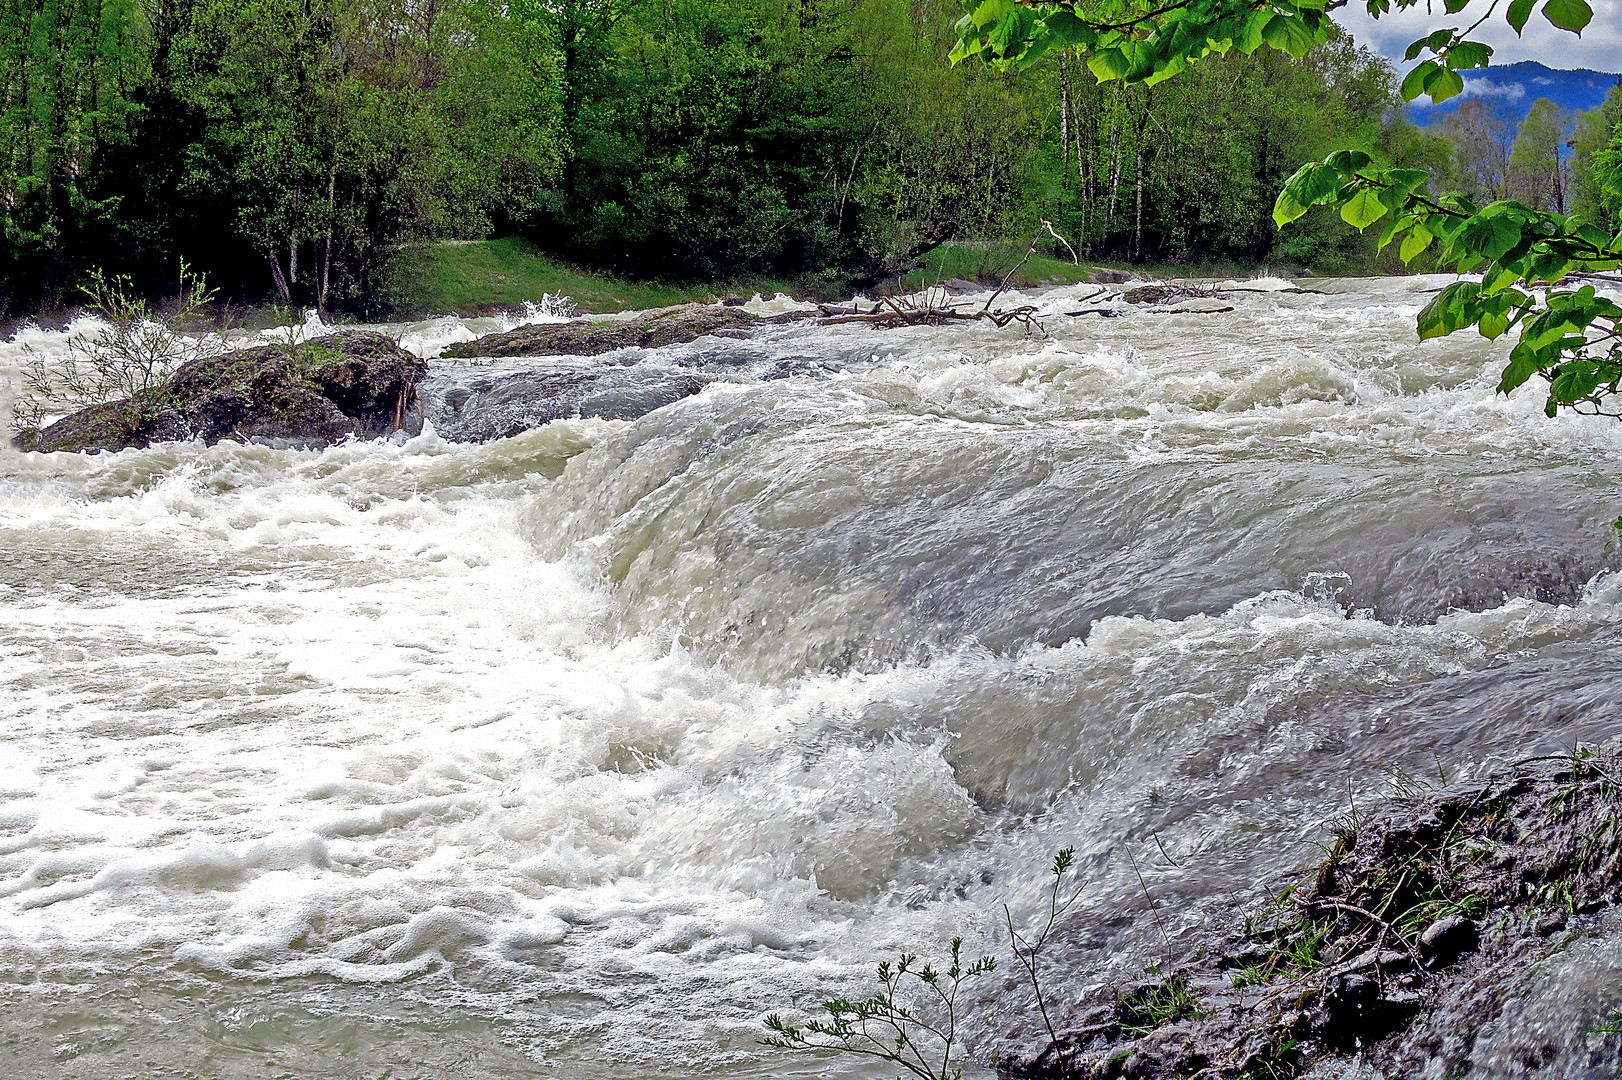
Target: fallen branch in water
891	313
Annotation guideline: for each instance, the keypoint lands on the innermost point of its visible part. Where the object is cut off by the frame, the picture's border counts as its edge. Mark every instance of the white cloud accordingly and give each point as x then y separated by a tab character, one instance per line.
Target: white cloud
1486	88
1599	47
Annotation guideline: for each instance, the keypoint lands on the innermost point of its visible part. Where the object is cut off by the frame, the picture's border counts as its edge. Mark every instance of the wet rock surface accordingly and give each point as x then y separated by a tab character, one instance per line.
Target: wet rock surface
354	383
474	405
654	329
1404	951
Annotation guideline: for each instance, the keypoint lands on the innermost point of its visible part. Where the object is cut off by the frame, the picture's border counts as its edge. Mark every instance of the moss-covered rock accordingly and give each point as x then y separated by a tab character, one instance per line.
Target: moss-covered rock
664	326
351	383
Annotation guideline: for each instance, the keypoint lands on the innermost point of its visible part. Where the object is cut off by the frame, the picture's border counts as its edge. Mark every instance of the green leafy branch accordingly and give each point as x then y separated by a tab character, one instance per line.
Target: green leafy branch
1143	41
910	1022
1147	41
1571	337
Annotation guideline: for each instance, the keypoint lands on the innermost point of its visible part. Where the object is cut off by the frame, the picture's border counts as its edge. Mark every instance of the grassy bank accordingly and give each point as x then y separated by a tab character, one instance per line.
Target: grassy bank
474	277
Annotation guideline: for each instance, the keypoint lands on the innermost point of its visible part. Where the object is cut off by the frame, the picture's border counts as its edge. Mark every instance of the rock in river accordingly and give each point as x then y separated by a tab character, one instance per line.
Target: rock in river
315	394
481	404
663	326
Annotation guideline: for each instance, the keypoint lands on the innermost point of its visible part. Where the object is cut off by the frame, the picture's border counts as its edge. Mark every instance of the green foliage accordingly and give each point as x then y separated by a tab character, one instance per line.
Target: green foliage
65	71
1538	171
1157	1004
911	1021
1570	337
1596	185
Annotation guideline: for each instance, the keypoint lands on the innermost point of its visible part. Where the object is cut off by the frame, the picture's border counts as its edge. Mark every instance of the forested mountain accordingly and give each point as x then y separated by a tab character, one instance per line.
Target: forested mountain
1511	89
296	149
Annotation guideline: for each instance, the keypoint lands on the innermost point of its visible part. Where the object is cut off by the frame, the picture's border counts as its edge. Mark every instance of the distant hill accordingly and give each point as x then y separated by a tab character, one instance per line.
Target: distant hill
1511	89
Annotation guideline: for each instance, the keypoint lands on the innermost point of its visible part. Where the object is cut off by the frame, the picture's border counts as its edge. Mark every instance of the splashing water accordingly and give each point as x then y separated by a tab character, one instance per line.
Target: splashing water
575	753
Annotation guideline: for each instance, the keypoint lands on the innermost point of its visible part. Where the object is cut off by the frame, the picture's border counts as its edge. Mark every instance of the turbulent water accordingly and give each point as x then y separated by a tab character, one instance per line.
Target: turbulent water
575	753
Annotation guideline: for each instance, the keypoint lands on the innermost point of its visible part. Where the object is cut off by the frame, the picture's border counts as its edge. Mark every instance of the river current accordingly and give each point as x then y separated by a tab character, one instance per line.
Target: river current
575	753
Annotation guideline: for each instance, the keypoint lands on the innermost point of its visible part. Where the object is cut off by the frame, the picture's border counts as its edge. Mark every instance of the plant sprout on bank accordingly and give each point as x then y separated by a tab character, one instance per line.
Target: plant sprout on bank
910	1022
913	1019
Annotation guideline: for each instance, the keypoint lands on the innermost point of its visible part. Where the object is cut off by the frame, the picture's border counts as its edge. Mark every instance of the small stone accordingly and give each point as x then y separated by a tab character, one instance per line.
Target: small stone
1392	960
1550	921
1445	939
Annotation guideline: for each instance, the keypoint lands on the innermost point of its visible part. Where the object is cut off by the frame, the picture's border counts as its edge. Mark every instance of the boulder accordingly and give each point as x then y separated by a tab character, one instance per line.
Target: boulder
662	326
476	405
353	383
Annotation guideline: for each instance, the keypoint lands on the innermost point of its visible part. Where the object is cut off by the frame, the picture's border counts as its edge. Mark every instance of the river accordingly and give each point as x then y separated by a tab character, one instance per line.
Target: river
574	754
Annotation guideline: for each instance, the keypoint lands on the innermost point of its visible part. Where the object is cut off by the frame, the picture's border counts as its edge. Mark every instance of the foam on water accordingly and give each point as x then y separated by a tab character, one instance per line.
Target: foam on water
584	749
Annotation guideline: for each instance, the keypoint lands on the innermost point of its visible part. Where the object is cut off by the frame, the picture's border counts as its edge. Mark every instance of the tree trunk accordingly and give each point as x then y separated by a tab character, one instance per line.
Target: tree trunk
1064	109
278	277
326	249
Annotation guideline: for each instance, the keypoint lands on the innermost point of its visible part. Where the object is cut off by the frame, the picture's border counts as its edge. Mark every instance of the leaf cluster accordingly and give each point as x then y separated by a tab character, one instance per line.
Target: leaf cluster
1138	41
1570	336
1147	41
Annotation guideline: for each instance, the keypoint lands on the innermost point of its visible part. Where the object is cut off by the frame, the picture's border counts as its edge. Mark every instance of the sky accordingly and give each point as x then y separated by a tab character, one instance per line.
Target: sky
1600	46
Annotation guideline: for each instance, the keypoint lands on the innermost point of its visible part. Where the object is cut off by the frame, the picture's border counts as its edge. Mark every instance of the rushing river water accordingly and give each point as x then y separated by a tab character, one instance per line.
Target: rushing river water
573	754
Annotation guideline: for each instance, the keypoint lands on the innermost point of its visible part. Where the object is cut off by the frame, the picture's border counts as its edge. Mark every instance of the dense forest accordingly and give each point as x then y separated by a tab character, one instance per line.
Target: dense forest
296	150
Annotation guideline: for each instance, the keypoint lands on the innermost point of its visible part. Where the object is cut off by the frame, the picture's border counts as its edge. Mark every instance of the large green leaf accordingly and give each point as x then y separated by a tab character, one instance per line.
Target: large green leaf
1469	54
1450	310
1363	209
1570	15
1414	244
1488	236
1444	84
1416	81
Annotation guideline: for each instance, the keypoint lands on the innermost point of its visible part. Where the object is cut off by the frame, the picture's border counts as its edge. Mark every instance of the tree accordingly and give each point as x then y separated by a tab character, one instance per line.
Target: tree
1569	336
66	68
1481	141
1595	129
1538	171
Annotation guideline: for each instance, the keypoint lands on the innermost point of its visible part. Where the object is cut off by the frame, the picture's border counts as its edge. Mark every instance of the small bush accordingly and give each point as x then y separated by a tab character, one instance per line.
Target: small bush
137	348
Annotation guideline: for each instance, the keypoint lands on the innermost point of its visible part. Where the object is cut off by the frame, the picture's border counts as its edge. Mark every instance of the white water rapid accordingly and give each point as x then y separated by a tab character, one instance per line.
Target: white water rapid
575	753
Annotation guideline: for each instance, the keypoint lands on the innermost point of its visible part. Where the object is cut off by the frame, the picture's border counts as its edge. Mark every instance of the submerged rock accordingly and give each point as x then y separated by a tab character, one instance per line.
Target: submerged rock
479	404
663	326
353	383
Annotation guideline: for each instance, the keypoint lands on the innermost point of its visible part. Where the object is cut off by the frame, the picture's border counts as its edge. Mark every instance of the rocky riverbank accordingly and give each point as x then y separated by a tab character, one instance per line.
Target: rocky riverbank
1408	943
